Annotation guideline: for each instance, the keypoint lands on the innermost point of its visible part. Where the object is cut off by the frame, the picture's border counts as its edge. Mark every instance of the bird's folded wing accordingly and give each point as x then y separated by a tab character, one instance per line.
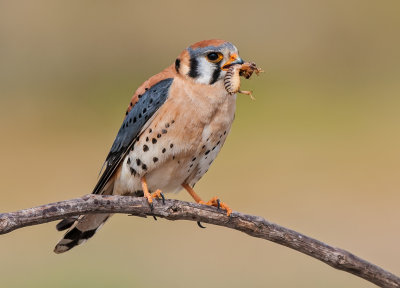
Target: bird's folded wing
144	105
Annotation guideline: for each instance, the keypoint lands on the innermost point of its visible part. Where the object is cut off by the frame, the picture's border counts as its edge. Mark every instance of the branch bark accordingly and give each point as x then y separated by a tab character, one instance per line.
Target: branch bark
178	210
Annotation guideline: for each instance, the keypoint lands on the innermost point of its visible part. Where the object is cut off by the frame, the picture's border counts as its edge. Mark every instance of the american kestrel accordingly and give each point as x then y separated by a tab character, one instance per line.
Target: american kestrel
174	127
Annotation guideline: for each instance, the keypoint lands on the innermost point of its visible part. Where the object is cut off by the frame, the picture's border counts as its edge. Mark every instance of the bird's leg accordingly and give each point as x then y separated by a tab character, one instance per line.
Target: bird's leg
146	192
193	194
213	202
156	194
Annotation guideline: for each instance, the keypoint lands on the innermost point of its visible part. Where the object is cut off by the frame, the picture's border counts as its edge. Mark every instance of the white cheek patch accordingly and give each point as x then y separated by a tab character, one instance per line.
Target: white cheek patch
205	70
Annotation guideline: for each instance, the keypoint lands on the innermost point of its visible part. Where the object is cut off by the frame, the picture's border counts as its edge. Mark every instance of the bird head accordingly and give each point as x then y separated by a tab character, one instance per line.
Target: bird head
207	61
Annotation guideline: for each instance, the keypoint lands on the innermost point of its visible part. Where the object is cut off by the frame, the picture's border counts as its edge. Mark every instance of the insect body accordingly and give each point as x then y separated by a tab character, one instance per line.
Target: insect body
232	77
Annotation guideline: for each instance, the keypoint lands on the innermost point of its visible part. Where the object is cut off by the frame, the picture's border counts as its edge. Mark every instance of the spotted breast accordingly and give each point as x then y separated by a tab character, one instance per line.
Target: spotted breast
181	141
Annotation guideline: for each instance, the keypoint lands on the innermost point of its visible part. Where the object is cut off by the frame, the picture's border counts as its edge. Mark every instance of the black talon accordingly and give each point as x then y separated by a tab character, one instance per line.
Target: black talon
155	218
163	198
151	206
199	224
218	204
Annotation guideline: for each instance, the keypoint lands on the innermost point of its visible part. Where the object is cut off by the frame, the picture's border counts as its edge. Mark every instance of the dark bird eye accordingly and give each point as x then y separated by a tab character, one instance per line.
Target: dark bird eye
214	57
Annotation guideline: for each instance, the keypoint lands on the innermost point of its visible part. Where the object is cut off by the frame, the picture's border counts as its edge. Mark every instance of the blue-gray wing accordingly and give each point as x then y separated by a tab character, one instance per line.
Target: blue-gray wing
133	123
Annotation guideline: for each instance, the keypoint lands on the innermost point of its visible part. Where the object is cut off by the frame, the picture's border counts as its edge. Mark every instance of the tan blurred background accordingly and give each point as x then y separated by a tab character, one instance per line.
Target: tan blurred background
318	151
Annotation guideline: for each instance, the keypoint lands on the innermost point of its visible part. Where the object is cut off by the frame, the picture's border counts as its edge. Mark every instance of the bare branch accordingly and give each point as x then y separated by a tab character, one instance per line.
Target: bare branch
178	210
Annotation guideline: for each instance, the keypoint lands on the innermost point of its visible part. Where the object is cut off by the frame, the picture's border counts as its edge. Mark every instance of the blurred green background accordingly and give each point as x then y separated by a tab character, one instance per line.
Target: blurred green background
318	151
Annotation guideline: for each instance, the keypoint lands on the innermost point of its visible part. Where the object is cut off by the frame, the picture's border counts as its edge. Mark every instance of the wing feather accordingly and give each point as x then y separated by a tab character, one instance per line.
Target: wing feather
145	107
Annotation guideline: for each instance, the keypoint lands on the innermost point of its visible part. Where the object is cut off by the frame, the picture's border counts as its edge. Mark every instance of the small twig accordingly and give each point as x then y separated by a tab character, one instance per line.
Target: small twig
178	210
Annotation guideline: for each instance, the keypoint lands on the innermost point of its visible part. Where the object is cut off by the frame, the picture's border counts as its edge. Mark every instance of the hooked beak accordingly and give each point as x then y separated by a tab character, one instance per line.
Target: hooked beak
234	59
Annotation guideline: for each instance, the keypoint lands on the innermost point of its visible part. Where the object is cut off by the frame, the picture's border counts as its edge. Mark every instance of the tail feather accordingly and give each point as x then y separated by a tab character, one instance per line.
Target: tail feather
81	230
66	223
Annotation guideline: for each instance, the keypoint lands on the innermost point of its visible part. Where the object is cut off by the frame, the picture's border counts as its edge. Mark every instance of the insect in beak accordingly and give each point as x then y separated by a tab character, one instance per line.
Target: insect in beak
234	59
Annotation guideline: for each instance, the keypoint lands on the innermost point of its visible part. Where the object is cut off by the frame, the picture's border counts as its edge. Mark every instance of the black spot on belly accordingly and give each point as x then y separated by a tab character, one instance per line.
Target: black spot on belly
155	159
208	151
194	159
172	145
163	150
133	171
129	161
144	167
154	140
167	125
138	162
147	139
150	130
163	131
158	135
145	148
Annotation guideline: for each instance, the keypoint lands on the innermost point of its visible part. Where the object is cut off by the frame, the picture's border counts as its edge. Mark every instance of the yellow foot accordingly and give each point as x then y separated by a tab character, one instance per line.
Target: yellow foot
217	203
150	197
159	195
213	202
